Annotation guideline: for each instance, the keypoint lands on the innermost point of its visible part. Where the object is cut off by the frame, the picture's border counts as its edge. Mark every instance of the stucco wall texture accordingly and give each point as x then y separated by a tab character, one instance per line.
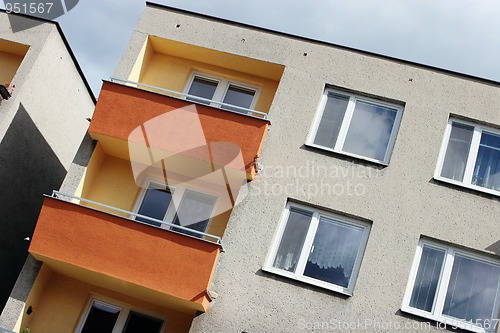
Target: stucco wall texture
50	87
402	200
41	128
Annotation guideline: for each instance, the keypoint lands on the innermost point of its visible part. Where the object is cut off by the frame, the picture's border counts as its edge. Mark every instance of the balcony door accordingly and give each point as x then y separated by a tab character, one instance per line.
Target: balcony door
212	91
155	203
176	206
102	317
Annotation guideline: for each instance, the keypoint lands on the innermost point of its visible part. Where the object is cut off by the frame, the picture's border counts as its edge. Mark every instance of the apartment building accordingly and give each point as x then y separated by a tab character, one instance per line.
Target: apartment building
45	100
245	180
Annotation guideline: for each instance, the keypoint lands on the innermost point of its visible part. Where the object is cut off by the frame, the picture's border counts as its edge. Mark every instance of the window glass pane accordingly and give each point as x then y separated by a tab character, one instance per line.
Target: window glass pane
331	121
238	96
487	169
457	152
202	87
140	323
194	212
101	318
155	205
473	290
334	252
370	130
427	280
292	241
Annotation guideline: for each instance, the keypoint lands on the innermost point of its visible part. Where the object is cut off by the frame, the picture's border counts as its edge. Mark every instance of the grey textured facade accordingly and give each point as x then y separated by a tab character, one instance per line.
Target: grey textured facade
41	127
402	200
399	202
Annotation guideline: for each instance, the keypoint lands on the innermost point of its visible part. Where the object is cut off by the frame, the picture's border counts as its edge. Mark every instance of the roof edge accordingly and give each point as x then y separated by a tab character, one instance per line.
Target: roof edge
68	47
321	42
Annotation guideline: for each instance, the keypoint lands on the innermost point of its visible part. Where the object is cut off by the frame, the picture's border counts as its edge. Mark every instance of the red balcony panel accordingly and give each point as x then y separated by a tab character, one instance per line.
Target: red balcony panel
121	109
162	263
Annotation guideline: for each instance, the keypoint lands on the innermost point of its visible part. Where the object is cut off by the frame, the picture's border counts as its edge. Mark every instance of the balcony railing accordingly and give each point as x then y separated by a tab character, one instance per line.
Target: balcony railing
126	115
163	225
92	244
173	93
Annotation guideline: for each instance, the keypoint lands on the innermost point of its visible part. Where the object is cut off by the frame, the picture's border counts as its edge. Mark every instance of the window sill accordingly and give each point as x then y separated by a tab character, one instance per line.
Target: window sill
471	187
342	153
451	323
310	281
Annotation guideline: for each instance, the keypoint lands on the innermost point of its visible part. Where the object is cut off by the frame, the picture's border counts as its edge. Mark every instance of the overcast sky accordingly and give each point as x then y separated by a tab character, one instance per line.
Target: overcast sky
460	35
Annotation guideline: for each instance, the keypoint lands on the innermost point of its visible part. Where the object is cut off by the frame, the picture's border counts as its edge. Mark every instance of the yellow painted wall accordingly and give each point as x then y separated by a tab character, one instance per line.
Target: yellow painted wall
9	63
59	302
35	295
173	73
141	62
218	224
109	180
11	56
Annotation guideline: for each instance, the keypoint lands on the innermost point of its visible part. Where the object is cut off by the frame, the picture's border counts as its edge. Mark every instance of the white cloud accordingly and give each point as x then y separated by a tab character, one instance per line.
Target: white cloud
458	35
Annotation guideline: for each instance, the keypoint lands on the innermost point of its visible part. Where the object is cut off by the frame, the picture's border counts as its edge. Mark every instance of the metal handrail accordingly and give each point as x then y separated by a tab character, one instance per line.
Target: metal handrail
217	239
261	115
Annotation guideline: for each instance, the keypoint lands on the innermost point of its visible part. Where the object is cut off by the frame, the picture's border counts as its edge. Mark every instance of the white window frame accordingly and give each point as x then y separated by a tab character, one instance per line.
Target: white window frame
307	248
177	193
471	160
222	88
353	99
444	279
122	317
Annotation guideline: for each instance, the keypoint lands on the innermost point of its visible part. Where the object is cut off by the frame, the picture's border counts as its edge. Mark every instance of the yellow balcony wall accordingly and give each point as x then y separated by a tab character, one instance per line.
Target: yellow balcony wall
11	56
109	180
168	64
59	301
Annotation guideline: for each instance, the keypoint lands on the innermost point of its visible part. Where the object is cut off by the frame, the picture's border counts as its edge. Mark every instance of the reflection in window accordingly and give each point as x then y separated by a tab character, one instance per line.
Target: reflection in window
487	168
473	290
331	121
155	204
426	283
194	209
334	251
457	152
194	212
370	130
292	241
319	248
471	157
356	126
238	96
220	90
465	284
202	87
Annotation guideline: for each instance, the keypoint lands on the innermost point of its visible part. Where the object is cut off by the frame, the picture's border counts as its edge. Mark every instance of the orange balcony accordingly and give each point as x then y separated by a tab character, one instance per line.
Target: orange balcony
125	256
122	110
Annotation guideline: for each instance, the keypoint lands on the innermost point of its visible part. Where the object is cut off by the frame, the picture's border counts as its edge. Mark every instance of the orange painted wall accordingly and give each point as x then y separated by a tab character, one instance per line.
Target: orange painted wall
157	259
121	109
